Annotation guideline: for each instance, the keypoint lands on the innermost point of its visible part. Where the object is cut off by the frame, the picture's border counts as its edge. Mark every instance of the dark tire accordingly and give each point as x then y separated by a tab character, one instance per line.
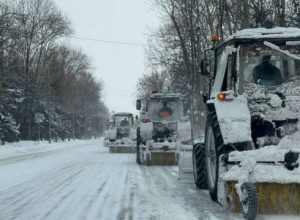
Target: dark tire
249	205
147	160
213	145
138	142
199	169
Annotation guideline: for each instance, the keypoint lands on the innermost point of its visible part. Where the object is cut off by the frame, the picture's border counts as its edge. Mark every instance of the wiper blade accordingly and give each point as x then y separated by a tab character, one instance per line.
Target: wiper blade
275	47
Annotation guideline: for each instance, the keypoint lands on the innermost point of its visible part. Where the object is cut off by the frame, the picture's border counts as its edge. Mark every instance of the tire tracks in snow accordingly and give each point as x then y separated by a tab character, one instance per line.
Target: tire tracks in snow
41	190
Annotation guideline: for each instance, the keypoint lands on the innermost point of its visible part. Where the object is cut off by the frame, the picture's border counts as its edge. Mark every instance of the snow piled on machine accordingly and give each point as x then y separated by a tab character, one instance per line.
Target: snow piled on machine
268	103
265	164
248	168
263	33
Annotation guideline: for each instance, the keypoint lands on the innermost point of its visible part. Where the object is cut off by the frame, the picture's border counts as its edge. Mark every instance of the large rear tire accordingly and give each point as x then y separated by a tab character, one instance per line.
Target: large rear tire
213	144
147	159
199	169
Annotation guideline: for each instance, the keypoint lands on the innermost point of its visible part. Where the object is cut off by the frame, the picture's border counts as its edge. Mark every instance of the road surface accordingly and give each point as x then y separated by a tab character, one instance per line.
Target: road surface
84	181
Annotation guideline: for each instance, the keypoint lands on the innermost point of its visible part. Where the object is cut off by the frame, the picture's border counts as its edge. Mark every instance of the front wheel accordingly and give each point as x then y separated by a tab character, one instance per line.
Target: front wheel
147	159
213	142
249	203
199	169
138	142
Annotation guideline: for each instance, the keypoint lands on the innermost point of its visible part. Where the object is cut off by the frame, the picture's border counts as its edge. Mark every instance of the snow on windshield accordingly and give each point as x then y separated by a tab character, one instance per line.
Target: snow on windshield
164	109
263	65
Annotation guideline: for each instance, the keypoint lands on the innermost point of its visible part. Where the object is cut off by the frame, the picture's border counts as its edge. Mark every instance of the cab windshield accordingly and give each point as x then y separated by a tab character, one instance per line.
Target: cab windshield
123	121
164	109
269	66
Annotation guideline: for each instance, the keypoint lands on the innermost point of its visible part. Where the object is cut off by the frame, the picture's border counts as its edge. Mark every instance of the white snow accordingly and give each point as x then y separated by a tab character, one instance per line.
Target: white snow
81	180
28	147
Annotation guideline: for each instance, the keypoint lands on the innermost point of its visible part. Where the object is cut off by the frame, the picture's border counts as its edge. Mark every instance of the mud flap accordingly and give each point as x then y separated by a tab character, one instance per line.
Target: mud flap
185	166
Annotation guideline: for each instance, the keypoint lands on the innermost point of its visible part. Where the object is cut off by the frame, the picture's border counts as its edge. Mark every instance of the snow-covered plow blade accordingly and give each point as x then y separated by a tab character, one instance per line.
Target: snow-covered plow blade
160	154
273	198
163	158
122	149
124	145
256	185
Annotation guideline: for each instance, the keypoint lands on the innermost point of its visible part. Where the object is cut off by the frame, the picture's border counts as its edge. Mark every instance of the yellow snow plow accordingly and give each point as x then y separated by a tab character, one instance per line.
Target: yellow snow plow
163	158
254	185
162	130
253	120
160	154
274	198
122	149
121	134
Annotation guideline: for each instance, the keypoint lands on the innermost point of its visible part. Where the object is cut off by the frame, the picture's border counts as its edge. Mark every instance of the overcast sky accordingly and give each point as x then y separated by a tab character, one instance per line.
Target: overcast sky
118	66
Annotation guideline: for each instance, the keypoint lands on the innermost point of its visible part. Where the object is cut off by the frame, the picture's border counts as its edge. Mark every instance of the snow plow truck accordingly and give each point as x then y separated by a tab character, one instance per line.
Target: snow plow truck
120	136
162	131
250	158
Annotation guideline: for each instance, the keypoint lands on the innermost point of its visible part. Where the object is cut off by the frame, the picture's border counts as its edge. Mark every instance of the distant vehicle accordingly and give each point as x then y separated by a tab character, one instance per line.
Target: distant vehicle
251	155
162	131
120	135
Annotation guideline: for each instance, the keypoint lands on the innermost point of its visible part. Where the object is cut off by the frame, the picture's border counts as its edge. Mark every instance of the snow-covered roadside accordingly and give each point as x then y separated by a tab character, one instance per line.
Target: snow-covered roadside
85	181
27	147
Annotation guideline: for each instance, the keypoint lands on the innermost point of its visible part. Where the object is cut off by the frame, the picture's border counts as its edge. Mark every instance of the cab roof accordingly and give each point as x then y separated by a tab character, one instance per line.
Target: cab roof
123	114
262	34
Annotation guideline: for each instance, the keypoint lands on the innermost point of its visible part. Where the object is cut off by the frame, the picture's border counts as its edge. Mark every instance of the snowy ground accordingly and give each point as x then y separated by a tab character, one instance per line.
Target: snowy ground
81	180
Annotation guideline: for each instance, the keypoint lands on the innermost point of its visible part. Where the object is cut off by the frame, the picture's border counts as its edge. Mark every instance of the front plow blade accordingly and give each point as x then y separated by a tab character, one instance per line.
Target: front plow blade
163	158
122	149
273	198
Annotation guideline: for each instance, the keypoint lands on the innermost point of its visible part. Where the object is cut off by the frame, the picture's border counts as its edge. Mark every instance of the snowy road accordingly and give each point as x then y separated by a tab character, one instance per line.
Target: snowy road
84	181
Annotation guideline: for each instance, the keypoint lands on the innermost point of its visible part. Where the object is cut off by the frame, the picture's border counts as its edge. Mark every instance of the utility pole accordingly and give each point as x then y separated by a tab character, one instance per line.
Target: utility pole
73	123
192	38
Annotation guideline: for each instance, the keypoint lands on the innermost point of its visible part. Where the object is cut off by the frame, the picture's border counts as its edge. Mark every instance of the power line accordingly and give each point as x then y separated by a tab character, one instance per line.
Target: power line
104	41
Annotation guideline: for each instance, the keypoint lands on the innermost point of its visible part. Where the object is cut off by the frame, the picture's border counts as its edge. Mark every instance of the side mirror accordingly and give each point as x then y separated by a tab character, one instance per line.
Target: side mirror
138	104
205	70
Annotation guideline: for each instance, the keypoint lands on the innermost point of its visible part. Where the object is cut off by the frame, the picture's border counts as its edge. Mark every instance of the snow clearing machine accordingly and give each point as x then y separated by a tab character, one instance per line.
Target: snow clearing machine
250	159
162	131
120	136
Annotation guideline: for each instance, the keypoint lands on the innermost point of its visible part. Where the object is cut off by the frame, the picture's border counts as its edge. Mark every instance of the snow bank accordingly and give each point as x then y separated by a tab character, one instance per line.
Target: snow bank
27	147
